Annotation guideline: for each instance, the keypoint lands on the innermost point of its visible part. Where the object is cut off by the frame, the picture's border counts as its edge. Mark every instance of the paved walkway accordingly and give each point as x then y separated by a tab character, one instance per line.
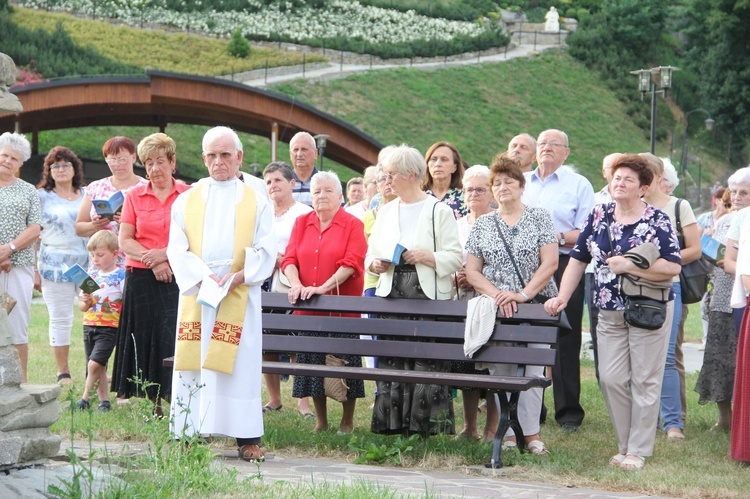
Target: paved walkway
334	70
465	482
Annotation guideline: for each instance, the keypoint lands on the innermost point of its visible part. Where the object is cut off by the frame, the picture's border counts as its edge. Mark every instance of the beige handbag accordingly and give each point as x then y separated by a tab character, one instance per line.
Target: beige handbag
8	301
279	282
335	387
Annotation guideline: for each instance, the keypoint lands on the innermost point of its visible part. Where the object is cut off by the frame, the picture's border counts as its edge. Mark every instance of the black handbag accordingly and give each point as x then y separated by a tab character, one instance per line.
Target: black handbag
695	276
640	311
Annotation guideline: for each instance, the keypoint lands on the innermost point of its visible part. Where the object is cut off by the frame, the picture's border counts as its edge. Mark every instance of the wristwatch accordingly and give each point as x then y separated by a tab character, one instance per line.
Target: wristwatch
12	247
562	239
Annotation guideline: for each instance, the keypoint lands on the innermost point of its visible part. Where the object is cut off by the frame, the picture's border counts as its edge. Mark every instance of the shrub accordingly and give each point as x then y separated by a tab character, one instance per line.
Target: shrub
582	13
239	46
572	12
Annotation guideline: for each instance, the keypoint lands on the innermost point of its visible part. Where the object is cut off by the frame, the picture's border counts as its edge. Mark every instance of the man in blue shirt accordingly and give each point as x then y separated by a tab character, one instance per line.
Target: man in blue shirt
569	197
303	153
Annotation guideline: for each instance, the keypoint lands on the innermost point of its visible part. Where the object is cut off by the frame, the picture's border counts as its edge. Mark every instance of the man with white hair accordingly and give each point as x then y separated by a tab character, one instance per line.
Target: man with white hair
221	233
569	197
303	153
523	148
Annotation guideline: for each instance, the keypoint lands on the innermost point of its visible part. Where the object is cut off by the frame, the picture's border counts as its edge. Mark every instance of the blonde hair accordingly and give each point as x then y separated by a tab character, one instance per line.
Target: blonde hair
103	238
156	143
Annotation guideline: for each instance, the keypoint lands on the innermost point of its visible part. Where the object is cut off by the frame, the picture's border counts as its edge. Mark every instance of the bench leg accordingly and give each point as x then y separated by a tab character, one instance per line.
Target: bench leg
508	419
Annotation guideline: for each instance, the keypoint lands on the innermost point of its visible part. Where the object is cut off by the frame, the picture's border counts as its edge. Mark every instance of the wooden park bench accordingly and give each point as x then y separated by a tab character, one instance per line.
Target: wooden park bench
441	334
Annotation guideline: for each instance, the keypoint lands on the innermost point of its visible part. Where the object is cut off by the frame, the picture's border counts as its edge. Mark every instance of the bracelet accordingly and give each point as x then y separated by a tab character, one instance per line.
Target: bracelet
523	293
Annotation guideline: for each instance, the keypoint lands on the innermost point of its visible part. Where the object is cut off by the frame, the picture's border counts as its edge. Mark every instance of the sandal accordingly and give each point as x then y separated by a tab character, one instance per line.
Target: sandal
251	453
509	445
64	378
633	463
617	460
675	433
537	448
268	408
308	415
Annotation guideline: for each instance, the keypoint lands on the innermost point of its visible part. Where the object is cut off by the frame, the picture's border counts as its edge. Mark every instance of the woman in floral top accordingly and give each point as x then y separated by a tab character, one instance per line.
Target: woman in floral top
445	169
20	226
631	359
61	193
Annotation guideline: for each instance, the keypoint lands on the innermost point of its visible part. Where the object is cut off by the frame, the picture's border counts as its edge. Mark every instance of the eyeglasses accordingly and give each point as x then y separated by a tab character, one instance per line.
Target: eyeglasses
389	177
544	143
60	166
382	179
476	190
117	161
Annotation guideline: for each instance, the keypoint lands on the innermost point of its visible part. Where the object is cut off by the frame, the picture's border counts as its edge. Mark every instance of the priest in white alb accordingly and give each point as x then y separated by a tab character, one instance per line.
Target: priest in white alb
223	232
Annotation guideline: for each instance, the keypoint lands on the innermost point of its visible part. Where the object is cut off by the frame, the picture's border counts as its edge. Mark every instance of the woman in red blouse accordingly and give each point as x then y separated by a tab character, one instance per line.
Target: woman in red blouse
149	314
326	255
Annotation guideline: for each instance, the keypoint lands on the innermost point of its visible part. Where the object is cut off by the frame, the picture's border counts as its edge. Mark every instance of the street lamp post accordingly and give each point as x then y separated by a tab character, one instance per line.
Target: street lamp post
709	126
320	142
647	84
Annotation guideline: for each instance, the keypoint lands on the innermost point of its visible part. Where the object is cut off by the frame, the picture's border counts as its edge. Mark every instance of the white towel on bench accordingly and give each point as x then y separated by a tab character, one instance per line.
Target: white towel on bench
480	322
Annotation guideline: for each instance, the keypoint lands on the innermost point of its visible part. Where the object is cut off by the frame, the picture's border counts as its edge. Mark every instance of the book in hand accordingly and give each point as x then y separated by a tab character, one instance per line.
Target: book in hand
77	275
108	208
712	249
211	293
398	256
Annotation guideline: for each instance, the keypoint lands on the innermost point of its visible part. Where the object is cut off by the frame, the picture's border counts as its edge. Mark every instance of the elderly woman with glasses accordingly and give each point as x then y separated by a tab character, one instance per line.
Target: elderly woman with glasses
61	193
478	197
150	298
427	229
512	258
119	153
20	225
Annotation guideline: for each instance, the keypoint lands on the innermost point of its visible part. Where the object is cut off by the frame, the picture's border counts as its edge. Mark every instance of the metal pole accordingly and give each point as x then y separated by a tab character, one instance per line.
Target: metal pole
653	117
700	164
304	58
274	140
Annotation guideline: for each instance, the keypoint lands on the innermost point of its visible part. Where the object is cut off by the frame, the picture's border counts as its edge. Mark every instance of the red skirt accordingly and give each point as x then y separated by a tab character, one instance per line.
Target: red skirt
739	442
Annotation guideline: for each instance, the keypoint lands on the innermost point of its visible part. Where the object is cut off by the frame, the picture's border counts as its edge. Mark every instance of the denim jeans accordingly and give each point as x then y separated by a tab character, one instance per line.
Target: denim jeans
671	406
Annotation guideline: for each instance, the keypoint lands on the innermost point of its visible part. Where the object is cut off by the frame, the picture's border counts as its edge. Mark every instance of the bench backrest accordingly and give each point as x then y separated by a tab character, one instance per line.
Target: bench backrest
440	329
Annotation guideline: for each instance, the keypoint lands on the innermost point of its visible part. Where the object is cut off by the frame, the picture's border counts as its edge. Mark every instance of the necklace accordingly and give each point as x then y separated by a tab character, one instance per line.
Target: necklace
510	219
70	196
277	215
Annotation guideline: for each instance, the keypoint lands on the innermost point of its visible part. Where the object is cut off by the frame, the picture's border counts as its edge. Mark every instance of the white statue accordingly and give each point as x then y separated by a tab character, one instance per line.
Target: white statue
552	19
9	103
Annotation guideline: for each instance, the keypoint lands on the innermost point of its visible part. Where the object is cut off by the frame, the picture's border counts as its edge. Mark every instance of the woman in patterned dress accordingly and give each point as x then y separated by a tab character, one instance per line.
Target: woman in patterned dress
61	194
20	226
716	380
325	255
631	359
526	236
428	229
442	179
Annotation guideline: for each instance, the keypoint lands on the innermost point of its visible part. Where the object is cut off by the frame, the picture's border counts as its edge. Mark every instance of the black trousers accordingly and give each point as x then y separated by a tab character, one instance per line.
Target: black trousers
566	374
593	317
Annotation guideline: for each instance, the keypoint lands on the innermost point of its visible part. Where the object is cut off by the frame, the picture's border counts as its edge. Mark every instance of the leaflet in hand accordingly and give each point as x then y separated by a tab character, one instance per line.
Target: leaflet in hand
108	208
211	293
80	278
712	249
398	256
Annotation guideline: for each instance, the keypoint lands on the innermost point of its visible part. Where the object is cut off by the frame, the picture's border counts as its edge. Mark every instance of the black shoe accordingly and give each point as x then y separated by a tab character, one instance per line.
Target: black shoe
81	405
105	406
571	427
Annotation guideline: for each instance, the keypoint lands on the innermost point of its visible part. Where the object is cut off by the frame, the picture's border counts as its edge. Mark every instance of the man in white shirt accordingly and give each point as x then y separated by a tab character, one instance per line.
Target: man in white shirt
569	197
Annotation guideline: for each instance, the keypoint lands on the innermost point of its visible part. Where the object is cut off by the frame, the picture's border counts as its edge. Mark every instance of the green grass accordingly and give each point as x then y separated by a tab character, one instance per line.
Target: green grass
697	467
157	49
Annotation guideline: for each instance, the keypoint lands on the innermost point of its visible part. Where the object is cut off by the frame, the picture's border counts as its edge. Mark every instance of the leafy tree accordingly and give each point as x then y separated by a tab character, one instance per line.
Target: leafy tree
718	53
239	46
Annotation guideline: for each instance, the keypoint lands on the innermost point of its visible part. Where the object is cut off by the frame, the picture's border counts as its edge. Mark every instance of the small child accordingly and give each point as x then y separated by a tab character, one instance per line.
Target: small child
101	315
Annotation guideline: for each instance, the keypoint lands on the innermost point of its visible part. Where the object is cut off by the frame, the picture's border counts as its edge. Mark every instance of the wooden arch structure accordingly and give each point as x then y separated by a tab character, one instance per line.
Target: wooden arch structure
158	98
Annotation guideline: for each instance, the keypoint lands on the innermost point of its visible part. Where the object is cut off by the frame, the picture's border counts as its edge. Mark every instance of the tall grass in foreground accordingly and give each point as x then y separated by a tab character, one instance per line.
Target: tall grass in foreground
696	467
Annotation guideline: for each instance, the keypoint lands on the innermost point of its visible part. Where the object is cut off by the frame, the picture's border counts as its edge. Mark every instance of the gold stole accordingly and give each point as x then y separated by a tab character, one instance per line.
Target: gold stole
227	330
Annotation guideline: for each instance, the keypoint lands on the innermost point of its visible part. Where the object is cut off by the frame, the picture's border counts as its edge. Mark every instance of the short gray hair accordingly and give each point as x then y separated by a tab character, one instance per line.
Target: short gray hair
670	174
221	131
371	174
280	166
555	130
476	171
304	135
406	160
18	143
322	177
741	176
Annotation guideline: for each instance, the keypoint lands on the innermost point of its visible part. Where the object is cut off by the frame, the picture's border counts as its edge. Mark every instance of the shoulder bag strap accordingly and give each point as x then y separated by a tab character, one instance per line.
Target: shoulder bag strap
508	250
677	215
434	247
